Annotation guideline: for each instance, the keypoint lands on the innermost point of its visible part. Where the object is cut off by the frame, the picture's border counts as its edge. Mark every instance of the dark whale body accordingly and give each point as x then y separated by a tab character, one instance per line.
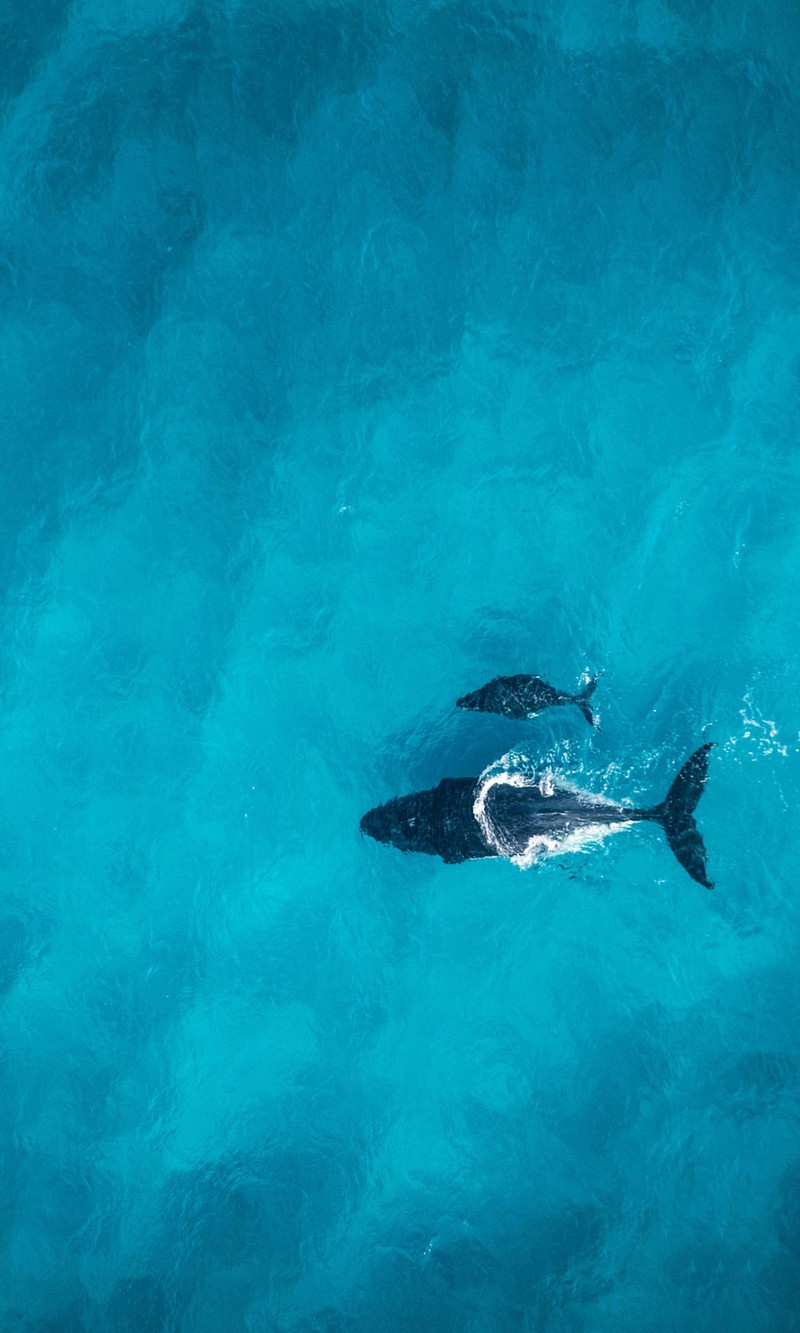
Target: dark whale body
524	697
443	821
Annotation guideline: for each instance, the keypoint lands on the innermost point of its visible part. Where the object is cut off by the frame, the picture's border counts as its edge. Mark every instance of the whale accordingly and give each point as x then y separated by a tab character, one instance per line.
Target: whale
521	697
465	819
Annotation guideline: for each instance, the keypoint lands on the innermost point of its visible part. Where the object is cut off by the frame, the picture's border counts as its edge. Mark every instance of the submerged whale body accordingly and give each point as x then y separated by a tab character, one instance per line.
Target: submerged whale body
525	697
464	818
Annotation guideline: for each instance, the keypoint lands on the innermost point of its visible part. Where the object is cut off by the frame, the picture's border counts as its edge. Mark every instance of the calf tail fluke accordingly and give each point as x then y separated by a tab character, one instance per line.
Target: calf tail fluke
675	814
583	700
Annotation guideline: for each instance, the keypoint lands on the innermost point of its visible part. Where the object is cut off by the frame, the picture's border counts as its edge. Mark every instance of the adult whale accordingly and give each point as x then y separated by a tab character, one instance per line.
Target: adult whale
466	818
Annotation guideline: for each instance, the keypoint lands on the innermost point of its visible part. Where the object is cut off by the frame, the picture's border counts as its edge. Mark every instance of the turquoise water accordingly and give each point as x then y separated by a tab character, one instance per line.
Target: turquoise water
349	358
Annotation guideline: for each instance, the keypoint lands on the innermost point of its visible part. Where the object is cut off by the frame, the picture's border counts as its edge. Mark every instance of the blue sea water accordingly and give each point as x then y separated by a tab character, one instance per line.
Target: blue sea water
351	356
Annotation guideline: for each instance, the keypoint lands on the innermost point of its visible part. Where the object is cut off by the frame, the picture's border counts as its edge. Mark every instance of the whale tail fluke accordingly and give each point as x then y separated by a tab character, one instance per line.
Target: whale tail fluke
675	815
583	700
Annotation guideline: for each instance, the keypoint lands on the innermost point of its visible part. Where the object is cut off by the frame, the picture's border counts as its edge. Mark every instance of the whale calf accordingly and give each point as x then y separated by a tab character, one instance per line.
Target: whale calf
466	818
526	696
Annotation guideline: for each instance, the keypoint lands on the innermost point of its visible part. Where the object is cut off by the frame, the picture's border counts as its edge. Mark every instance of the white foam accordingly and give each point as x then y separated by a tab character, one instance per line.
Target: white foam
576	840
488	781
507	772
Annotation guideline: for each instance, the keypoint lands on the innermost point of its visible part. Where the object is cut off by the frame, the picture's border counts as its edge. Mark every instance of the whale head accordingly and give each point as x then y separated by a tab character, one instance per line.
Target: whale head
401	822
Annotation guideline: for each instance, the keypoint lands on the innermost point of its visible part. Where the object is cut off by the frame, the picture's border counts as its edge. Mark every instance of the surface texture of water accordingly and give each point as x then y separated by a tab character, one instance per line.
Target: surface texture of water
350	356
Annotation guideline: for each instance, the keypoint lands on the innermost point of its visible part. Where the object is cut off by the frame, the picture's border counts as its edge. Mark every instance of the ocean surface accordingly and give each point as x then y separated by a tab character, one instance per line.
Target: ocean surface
351	356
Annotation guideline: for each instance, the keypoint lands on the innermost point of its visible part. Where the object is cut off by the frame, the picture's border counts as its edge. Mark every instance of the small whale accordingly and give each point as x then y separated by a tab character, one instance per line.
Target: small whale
525	697
464	819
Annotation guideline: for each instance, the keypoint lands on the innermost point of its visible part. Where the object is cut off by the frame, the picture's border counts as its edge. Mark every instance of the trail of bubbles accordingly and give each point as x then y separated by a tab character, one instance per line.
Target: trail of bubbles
760	736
